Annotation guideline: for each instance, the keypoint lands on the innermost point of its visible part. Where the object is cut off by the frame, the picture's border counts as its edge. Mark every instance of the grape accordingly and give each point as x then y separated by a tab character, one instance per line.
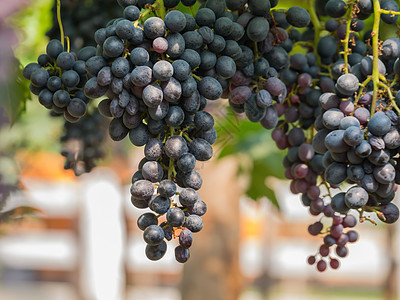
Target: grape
338	203
175	21
154	27
159	204
225	67
349	221
188	197
193	180
175	116
235	4
175	216
139	56
321	266
331	118
369	183
353	136
391	6
335	142
176	45
54	48
384	174
142	189
181	254
199	208
298	16
194	223
152	171
113	46
181	70
131	13
259	7
185	238
324	250
210	88
167	188
201	149
141	76
352	235
315	229
278	58
146	219
223	26
156	252
356	197
153	235
175	147
379	124
341	251
276	88
139	135
76	108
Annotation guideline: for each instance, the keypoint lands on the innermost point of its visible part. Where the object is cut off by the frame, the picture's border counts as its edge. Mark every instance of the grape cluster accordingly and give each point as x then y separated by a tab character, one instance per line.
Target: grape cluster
336	236
154	96
357	127
82	143
57	79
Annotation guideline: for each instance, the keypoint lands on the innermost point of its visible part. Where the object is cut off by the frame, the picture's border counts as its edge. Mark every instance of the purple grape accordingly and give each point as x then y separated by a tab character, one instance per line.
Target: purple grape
334	263
352	235
315	229
347	107
311	260
349	221
324	250
160	45
362	114
341	251
342	240
321	265
336	230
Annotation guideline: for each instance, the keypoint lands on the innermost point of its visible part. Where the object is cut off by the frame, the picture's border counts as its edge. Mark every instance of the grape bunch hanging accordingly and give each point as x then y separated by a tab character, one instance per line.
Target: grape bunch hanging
333	104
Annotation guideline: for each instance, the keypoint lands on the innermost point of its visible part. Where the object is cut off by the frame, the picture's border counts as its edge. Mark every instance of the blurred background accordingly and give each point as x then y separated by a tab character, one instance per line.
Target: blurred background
67	237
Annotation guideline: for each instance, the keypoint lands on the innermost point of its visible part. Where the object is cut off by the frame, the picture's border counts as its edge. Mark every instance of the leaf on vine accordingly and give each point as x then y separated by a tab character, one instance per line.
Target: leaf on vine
257	188
14	94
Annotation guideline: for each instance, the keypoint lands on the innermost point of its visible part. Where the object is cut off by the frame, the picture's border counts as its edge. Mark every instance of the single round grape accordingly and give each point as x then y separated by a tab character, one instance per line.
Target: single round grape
153	235
156	252
321	265
147	219
175	216
194	223
356	197
181	254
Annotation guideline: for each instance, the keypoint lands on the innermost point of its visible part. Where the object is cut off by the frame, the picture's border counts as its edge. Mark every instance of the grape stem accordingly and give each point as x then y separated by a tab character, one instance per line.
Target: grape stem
390	95
389	12
143	15
59	22
196	77
68	43
316	23
375	54
362	85
346	39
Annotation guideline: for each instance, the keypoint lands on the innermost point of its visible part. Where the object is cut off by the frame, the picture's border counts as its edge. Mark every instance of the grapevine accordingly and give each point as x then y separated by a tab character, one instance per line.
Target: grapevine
333	105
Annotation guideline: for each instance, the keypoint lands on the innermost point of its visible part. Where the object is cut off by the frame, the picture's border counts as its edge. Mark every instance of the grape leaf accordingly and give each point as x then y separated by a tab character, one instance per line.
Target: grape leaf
258	188
13	94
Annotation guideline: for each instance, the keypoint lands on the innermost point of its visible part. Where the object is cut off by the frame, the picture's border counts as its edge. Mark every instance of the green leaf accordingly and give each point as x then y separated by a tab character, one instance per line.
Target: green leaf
14	94
258	188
